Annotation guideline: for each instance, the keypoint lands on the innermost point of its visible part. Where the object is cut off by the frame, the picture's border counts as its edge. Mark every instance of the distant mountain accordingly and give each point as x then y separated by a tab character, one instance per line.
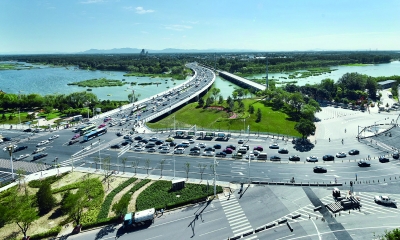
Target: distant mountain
167	50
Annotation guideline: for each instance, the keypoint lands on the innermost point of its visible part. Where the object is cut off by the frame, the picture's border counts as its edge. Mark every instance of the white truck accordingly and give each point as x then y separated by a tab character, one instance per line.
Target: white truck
384	200
139	218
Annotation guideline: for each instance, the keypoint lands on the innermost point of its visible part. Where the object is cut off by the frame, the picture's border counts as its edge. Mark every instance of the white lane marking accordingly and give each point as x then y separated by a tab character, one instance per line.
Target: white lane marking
212	231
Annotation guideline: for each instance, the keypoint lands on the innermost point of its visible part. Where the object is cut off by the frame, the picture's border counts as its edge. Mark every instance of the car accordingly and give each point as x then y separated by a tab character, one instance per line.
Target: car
341	155
194	152
151	149
138	149
209	149
283	151
153	139
384	200
119	134
73	141
169	139
220	154
191	141
172	144
231	147
395	155
258	148
364	163
319	169
138	138
38	156
275	158
44	142
76	136
37	150
159	142
208	154
125	143
179	151
115	146
127	136
294	158
383	159
328	157
202	145
250	156
255	152
274	146
246	146
217	146
240	141
186	144
228	151
237	156
28	130
354	152
20	157
164	150
20	148
312	159
143	141
195	148
7	139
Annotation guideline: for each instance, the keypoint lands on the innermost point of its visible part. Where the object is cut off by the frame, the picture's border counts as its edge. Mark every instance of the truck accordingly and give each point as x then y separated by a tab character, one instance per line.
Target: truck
384	200
139	218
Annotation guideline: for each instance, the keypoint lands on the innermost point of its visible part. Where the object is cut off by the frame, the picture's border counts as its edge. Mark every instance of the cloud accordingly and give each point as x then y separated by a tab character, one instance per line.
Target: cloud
141	10
177	27
92	1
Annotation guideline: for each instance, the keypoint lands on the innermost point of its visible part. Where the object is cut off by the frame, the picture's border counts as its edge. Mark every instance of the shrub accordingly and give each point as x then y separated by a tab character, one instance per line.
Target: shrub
159	195
105	207
45	199
121	207
96	195
51	233
67	187
100	222
50	180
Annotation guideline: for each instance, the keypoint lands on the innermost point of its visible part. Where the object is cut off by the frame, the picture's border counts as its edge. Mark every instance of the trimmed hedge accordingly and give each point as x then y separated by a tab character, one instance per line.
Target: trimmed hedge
159	195
98	223
96	198
105	207
126	198
67	187
37	183
51	233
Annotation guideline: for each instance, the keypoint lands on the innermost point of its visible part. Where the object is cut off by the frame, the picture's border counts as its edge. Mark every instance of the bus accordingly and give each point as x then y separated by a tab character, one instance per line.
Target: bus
87	129
94	134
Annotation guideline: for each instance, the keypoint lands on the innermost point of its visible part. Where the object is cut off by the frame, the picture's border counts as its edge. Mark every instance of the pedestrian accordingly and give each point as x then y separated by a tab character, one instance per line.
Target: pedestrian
162	211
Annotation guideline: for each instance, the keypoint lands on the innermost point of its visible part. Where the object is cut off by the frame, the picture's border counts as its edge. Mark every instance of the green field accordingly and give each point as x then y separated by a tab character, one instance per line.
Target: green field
357	64
101	82
271	121
5	66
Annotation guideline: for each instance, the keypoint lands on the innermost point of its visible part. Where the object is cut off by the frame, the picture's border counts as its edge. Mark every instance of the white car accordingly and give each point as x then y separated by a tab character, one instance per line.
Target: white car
22	157
384	200
250	156
191	141
312	159
164	150
39	150
208	154
202	145
151	149
340	155
44	142
179	151
274	146
138	149
53	137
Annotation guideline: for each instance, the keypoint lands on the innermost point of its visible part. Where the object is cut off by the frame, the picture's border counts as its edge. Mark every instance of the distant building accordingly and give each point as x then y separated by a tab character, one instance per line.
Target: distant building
143	52
386	84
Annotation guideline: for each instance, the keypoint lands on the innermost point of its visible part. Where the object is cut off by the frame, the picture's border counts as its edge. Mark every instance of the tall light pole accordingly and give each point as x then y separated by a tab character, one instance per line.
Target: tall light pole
174	162
19	107
249	169
215	176
10	151
99	155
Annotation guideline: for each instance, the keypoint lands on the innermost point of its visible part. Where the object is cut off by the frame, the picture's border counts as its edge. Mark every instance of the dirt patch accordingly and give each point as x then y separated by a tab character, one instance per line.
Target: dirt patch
132	203
68	179
119	196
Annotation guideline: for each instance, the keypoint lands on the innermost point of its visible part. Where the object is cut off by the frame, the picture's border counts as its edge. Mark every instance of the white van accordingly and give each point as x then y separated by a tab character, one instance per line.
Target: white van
242	150
262	156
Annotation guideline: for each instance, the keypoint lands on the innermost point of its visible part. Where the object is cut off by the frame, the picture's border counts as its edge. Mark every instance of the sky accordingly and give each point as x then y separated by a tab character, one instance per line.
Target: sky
69	26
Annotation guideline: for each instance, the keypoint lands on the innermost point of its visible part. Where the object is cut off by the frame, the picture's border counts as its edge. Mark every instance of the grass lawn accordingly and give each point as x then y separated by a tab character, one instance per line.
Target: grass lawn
271	121
51	115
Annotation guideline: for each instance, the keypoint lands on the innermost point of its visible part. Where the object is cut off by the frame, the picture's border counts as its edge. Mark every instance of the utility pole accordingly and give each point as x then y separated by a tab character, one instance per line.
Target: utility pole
266	77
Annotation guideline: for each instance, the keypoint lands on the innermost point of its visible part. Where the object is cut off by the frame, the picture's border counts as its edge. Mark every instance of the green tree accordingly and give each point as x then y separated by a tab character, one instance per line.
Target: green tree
186	167
147	165
23	213
215	92
220	99
209	101
201	102
45	199
135	164
202	168
296	101
124	159
258	115
390	235
251	109
305	127
74	204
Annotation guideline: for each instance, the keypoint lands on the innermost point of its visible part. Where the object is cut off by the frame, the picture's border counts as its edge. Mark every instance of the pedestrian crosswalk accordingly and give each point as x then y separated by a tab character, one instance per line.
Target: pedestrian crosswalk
235	215
368	205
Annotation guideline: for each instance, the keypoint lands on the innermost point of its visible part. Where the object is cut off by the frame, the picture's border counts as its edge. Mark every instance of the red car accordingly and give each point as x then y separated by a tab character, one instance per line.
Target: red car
258	148
228	151
102	125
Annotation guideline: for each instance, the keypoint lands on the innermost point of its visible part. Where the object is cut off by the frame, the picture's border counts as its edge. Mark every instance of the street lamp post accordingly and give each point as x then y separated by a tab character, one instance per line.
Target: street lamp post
19	108
10	151
99	155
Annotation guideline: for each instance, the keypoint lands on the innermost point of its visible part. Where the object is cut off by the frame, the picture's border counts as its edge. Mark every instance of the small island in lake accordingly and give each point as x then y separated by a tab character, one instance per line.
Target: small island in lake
101	82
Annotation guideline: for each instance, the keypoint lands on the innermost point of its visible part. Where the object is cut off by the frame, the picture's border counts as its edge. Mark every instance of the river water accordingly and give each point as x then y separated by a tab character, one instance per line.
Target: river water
50	80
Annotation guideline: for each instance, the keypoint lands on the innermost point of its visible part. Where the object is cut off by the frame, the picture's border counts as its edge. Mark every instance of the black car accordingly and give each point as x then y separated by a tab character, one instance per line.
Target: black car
220	154
73	141
159	142
294	158
363	163
194	153
20	148
275	158
209	149
119	134
217	146
383	159
283	150
125	143
231	147
319	169
144	141
172	144
28	130
395	155
38	156
328	157
5	139
138	138
195	148
354	152
115	146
